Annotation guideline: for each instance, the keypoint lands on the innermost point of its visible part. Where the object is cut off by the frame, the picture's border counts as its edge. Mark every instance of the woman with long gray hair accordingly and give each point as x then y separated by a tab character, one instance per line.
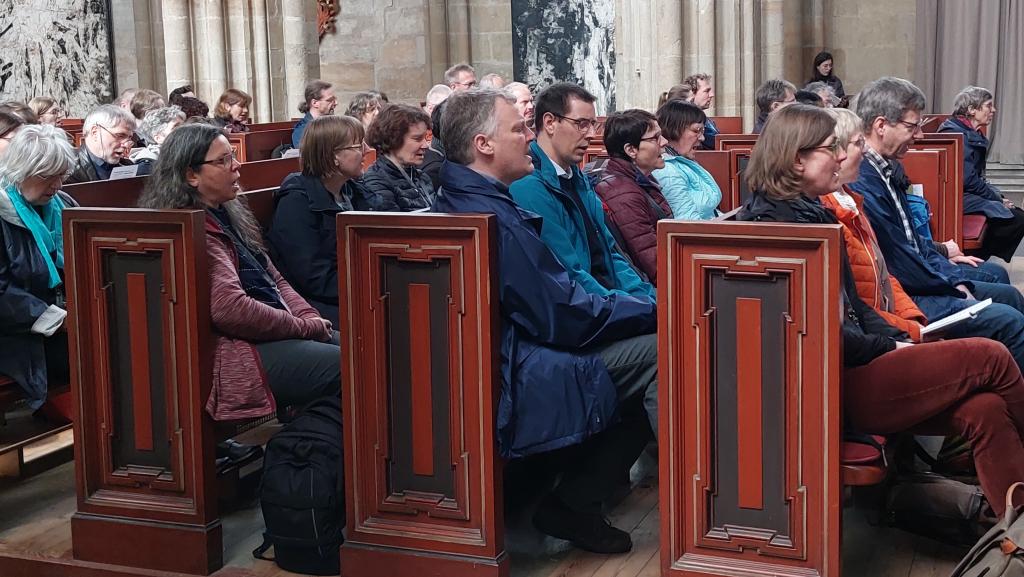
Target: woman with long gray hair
259	321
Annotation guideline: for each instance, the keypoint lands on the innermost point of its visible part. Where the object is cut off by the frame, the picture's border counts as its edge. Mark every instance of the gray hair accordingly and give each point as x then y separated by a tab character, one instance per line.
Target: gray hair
467	114
890	98
438	93
970	97
36	150
772	91
491	80
108	116
156	120
819	87
451	76
848	124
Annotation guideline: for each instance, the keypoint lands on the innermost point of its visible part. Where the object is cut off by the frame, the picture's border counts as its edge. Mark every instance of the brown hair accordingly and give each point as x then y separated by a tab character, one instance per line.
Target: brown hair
678	92
388	130
144	101
8	122
21	110
314	90
323	137
789	131
231	97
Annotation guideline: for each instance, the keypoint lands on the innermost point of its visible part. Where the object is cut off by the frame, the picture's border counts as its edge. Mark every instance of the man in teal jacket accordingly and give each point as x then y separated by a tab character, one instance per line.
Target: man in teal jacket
573	218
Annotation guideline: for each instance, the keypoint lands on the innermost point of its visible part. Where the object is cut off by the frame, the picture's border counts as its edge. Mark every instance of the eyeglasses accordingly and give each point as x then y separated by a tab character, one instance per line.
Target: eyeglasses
832	148
699	130
225	161
582	124
914	126
120	137
361	147
467	84
654	138
860	143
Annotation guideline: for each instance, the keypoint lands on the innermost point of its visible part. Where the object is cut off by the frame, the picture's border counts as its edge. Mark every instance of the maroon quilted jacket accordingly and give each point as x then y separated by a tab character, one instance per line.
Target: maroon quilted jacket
632	202
240	389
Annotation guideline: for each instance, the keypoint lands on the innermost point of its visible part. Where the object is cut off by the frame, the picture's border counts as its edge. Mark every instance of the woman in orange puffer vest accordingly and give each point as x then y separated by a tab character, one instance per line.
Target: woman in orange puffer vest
875	285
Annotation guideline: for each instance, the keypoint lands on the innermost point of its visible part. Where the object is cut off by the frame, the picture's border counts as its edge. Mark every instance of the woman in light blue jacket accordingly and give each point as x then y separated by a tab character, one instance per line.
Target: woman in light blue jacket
690	190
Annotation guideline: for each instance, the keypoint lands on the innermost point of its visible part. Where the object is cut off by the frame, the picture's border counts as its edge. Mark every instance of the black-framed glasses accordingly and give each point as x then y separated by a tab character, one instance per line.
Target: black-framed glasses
653	138
361	147
914	126
117	137
225	161
582	124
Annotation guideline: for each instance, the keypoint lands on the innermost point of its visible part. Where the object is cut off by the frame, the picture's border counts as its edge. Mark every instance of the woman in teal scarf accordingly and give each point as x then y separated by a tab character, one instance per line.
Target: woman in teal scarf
33	348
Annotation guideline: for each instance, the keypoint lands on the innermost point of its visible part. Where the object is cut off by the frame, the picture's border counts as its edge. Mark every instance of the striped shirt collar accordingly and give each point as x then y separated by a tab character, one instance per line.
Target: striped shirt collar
880	163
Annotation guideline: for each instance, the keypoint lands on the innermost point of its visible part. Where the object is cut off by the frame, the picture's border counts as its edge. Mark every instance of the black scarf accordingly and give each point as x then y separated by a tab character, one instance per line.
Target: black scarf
252	265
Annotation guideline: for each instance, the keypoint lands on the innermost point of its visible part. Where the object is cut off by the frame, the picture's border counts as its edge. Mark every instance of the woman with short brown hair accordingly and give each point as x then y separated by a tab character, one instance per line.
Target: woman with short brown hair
395	182
302	235
232	111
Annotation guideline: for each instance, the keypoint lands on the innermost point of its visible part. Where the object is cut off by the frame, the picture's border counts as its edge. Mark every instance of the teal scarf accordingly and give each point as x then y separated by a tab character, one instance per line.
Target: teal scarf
45	229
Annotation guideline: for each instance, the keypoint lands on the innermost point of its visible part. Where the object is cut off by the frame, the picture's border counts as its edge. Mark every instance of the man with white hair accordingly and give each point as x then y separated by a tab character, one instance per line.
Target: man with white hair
108	133
435	96
524	100
578	365
492	80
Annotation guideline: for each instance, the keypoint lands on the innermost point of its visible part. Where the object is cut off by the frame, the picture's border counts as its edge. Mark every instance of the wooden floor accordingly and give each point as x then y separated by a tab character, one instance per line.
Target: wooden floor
35	513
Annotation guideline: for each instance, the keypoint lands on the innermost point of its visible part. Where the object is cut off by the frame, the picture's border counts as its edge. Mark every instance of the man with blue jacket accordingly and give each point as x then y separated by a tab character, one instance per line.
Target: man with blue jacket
578	369
890	109
574	223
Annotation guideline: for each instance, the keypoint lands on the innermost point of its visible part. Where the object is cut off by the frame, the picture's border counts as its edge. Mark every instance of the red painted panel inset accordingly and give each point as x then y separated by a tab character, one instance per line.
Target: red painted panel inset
748	403
138	328
422	404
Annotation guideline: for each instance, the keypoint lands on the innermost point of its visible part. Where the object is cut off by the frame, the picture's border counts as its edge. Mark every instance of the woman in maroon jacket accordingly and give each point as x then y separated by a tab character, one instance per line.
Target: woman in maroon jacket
271	344
632	197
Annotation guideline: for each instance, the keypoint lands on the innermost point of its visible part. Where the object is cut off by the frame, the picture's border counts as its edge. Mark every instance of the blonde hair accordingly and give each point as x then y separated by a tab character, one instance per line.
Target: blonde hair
848	125
789	132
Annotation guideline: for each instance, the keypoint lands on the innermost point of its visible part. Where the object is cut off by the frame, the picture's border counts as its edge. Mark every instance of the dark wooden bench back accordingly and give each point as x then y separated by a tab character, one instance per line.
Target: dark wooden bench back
735	141
717	163
749	367
250	146
422	480
728	124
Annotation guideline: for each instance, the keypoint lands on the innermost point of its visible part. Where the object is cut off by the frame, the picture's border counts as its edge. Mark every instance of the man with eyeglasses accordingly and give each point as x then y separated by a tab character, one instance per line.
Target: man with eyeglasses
460	77
890	110
703	96
771	96
108	135
319	100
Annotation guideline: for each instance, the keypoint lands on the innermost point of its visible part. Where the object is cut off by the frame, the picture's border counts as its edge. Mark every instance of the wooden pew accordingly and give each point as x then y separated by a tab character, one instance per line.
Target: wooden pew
728	124
928	168
932	122
267	173
951	149
138	291
250	146
749	369
735	141
422	478
265	126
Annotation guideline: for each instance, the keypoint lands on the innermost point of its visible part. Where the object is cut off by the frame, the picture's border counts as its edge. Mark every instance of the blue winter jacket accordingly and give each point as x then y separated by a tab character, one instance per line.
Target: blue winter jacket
563	230
555	391
921	272
690	190
980	197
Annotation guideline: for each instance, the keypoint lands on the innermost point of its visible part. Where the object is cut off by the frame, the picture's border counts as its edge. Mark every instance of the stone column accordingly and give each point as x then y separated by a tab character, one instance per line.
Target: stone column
262	96
177	16
211	65
296	65
239	46
648	51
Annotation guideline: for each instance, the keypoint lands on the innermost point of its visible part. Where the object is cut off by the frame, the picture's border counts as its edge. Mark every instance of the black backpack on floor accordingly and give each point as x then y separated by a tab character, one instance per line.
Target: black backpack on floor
302	492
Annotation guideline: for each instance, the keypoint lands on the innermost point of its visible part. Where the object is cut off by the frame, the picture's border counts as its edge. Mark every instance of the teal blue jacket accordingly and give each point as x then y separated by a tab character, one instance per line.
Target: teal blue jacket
562	228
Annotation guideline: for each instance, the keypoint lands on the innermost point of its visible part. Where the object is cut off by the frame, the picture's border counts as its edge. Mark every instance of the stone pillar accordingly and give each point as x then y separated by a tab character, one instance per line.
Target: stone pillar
177	16
296	65
239	44
649	51
211	64
262	96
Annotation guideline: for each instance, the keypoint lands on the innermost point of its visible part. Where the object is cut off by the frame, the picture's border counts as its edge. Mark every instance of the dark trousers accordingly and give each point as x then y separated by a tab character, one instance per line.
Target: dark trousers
988	271
592	470
300	371
968	387
1002	236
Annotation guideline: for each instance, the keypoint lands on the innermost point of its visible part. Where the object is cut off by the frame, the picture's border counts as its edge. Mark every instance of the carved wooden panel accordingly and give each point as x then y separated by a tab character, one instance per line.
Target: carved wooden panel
138	303
423	483
716	162
749	394
948	208
735	141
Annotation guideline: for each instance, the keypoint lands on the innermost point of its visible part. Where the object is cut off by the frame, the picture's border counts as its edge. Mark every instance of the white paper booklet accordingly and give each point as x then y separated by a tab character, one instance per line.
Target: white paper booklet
936	329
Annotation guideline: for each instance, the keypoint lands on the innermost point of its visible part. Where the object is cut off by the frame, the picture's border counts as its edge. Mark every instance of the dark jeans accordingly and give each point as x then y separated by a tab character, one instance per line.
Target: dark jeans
1002	236
592	469
1002	320
987	271
968	387
300	371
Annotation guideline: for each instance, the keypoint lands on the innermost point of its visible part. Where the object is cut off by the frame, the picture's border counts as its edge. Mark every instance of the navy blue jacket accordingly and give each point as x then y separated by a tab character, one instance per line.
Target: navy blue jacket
303	241
710	132
554	391
922	273
300	129
980	197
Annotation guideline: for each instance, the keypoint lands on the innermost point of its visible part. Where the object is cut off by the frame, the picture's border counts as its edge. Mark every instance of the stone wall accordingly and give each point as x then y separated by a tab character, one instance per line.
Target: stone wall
869	39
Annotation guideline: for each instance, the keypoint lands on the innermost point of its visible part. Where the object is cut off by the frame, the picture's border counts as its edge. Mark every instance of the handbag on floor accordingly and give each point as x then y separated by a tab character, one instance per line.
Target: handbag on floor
998	553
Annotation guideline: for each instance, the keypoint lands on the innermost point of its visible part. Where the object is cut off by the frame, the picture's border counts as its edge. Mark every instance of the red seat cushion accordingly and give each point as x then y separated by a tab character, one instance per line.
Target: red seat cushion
974	225
861	454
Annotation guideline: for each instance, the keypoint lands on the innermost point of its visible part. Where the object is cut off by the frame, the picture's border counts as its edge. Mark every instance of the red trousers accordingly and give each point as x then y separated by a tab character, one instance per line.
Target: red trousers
970	387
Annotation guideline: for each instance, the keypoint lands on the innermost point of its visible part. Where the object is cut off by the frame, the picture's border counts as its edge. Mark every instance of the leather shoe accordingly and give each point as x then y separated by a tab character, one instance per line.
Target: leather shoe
236	451
588	531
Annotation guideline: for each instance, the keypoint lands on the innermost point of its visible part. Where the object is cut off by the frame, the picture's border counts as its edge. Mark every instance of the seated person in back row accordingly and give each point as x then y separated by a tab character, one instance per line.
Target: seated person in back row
574	226
395	182
302	236
108	134
690	190
272	348
890	112
32	308
571	359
